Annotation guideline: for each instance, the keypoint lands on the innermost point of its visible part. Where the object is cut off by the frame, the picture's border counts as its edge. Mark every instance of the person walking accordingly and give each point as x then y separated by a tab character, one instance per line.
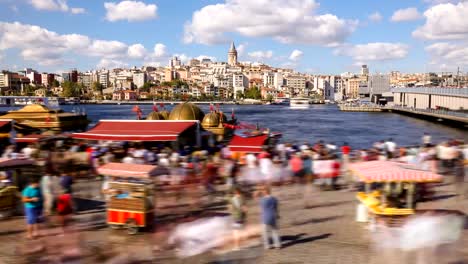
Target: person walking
48	192
32	199
64	208
238	214
270	215
345	151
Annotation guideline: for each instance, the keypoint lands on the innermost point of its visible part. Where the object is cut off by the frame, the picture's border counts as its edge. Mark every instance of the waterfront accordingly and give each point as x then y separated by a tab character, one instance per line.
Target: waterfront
319	122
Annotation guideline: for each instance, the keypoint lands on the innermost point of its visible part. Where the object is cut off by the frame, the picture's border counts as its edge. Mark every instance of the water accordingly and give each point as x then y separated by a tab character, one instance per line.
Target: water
320	122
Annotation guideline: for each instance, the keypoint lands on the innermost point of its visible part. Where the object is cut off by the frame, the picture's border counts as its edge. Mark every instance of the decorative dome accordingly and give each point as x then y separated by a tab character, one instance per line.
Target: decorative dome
186	111
164	114
211	120
154	116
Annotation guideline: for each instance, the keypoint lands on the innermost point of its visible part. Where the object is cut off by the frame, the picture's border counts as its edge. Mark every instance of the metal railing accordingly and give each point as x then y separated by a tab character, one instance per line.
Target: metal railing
432	111
460	92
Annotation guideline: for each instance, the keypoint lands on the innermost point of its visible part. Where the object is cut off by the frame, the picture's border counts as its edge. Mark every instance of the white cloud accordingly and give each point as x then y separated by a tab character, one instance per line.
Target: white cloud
261	55
182	57
78	10
283	20
130	10
201	57
109	64
445	21
377	51
406	14
296	55
159	50
241	49
448	53
49	48
137	51
375	17
55	5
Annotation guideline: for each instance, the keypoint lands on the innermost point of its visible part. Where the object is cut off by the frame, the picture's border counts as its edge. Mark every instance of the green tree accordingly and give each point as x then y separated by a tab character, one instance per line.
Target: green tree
253	93
240	95
28	90
70	89
146	87
97	87
269	98
55	83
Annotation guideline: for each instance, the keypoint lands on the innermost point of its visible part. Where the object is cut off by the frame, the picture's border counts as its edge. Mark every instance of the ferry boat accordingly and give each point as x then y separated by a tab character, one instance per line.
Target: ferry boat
299	103
281	101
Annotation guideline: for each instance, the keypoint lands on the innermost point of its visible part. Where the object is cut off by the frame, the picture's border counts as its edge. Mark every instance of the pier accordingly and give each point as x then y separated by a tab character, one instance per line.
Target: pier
360	108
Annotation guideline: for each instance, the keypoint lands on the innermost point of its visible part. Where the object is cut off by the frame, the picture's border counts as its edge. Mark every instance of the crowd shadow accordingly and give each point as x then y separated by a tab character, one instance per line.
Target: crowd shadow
85	205
10	232
289	241
440	197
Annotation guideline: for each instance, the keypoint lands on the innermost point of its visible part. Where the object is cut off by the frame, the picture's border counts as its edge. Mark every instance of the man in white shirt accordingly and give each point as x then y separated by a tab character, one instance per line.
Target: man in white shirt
128	159
28	151
426	139
390	146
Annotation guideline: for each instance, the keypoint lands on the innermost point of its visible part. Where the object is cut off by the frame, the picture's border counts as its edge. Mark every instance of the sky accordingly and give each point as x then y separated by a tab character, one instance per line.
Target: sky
312	36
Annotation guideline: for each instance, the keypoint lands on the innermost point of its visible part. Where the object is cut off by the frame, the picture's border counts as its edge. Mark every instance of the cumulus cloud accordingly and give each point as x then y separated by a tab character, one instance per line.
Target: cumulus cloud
131	11
375	17
406	14
444	21
296	55
159	50
261	55
377	51
283	20
55	5
110	64
49	48
137	51
448	53
201	57
241	49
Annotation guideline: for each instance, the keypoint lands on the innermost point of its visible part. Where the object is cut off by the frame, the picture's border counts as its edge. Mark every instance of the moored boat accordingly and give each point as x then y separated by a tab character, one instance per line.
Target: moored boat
299	103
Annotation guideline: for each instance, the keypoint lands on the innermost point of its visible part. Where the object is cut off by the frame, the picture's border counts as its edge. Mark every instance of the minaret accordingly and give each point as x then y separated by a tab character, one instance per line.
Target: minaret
232	55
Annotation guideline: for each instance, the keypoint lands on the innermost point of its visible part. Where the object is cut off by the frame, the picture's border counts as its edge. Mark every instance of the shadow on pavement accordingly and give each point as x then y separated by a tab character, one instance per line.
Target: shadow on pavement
10	232
293	240
83	205
440	197
312	206
315	220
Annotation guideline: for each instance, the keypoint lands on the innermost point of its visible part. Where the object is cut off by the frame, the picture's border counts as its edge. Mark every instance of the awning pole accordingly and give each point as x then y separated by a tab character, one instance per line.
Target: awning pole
198	135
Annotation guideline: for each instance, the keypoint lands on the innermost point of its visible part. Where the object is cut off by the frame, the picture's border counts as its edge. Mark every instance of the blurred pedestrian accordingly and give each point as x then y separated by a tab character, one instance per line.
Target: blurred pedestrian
48	192
66	182
270	215
426	140
390	148
32	199
64	207
238	214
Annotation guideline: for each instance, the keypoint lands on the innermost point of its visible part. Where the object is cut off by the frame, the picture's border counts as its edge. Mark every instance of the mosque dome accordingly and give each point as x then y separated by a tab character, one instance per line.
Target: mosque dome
211	120
164	114
186	111
154	116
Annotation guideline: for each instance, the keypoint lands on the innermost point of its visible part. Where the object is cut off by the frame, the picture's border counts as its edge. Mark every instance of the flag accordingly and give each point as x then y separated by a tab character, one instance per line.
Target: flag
233	116
161	105
211	107
155	108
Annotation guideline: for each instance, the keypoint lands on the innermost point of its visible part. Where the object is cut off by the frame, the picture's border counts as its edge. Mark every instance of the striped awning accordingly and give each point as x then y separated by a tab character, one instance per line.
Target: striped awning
389	171
124	170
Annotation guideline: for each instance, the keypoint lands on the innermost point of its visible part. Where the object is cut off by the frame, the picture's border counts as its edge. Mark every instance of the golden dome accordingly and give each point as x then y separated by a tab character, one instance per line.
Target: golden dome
211	120
34	108
154	116
164	114
186	111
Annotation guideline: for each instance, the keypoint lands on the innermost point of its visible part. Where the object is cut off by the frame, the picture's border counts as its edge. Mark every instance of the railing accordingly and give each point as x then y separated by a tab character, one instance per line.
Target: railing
432	111
463	92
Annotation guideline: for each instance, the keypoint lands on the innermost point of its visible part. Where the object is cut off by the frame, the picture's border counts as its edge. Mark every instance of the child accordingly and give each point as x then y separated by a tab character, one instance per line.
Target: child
64	207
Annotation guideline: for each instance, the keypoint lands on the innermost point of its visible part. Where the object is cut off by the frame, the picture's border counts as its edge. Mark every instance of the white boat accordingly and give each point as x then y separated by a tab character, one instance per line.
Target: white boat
299	103
281	101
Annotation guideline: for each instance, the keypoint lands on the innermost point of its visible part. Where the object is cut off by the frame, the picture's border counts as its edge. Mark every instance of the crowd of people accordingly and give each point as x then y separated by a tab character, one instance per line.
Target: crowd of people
323	164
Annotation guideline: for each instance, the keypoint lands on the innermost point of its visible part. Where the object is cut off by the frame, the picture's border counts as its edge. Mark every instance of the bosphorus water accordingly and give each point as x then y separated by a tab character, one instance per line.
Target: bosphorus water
319	122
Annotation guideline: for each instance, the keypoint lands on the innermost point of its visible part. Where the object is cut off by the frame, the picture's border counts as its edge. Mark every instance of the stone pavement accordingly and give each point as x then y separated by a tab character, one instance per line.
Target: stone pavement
316	227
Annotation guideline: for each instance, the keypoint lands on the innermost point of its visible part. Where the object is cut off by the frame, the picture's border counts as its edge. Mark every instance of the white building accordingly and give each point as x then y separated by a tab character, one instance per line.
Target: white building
103	79
239	83
139	79
175	62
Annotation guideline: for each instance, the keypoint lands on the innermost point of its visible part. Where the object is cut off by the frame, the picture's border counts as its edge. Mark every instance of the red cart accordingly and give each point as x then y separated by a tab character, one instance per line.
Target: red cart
131	191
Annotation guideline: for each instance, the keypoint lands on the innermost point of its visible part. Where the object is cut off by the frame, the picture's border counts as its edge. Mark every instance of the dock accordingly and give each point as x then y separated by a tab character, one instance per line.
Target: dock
456	118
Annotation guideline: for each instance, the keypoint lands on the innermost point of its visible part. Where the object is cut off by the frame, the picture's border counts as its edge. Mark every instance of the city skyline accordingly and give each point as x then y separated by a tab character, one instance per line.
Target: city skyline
307	36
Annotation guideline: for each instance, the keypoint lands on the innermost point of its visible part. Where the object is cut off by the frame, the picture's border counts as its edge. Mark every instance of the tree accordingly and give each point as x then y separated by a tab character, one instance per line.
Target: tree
253	93
70	89
240	95
269	98
55	83
28	90
97	87
146	87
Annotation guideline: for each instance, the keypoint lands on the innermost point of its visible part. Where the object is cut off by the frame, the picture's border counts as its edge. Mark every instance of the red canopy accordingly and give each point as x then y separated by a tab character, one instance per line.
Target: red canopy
30	138
4	122
388	171
136	130
128	170
248	144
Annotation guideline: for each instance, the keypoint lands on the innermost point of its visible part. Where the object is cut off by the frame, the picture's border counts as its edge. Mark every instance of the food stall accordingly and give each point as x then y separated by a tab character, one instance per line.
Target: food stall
14	177
390	189
130	202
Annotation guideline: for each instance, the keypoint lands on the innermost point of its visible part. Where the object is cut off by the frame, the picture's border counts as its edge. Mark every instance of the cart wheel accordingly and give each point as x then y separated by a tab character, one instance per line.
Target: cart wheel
131	226
114	226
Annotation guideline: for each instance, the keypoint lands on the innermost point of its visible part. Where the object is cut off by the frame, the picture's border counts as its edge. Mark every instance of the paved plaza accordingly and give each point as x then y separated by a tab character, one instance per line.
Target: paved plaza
316	227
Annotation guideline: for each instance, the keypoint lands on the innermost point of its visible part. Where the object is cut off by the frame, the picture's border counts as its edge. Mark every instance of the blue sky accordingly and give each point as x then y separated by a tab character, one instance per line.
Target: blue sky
330	36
